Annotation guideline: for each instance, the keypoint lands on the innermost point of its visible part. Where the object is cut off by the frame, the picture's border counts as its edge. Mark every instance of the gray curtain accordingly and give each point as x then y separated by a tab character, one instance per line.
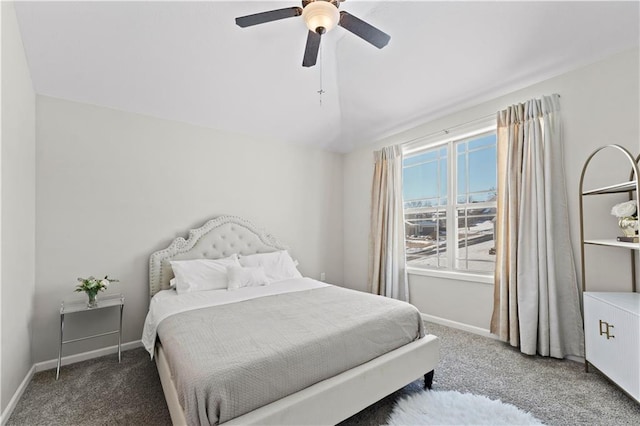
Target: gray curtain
536	294
387	274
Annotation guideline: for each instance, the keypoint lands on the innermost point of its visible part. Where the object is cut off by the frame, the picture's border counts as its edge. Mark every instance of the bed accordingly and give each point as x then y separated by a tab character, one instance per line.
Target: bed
328	377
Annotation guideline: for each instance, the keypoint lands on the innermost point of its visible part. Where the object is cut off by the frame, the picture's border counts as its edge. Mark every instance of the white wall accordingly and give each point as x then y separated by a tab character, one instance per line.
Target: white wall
113	187
600	105
18	207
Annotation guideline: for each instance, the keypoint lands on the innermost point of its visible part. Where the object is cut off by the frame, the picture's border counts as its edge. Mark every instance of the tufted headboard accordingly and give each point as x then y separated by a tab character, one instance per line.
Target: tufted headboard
219	237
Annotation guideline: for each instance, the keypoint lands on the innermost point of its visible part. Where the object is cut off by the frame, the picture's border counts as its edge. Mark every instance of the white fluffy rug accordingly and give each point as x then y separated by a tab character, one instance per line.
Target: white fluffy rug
455	408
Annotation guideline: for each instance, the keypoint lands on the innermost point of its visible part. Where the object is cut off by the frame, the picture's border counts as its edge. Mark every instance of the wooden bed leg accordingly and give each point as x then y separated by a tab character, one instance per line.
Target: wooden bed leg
428	380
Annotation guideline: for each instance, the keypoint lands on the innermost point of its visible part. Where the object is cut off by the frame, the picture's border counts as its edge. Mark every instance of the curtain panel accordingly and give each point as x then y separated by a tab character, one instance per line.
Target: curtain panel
387	269
536	293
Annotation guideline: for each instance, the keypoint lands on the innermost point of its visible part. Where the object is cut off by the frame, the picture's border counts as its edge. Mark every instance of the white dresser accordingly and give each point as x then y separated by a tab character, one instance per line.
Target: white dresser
612	337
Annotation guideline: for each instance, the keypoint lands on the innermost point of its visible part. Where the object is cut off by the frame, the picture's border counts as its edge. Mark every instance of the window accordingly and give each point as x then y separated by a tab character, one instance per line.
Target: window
449	190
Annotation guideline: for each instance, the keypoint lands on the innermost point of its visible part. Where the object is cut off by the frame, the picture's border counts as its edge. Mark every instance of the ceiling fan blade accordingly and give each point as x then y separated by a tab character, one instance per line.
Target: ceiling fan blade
311	51
365	31
272	15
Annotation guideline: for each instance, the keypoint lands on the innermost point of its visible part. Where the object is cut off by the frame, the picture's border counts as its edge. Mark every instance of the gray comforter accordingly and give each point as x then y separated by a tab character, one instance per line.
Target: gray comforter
231	359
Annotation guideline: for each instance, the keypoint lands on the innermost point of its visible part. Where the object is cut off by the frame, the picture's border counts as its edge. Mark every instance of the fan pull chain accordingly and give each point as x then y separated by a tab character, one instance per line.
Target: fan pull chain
321	91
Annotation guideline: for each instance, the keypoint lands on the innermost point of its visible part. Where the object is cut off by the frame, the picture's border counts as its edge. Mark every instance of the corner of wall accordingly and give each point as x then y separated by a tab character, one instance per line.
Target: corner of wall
17	212
2	421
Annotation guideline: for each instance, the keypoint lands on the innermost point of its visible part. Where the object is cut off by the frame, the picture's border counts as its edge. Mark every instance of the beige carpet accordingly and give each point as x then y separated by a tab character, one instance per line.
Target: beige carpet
101	391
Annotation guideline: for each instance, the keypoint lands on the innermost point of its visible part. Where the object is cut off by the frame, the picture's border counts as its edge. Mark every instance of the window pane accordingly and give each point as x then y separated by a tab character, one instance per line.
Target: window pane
476	170
461	176
482	169
425	192
444	177
420	158
425	179
476	245
482	141
426	185
481	197
414	178
426	236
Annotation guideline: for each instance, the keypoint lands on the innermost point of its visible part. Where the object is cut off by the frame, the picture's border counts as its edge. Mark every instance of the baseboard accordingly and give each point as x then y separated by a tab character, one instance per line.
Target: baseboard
16	396
53	363
575	358
479	331
72	359
459	325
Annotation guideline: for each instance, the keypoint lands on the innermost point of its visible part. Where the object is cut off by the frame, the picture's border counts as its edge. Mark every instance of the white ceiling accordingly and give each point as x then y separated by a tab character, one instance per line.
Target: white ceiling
188	61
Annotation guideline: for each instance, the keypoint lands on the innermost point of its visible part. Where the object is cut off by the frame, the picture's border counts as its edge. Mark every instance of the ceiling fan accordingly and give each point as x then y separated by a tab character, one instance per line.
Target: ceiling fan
320	16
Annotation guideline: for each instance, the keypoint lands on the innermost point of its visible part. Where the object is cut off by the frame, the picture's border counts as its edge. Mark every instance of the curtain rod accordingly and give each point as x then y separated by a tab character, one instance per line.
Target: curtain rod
450	129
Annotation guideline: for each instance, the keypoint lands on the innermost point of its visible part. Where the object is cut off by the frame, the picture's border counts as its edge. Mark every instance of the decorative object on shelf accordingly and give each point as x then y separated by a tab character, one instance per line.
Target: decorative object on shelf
611	319
92	286
629	226
627	214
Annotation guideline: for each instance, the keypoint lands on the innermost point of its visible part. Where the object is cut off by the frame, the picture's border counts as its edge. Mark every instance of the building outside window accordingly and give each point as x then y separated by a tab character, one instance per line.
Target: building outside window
449	190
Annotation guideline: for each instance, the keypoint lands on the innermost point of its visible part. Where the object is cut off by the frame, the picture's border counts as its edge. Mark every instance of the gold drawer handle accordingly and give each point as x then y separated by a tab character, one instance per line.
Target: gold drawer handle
606	330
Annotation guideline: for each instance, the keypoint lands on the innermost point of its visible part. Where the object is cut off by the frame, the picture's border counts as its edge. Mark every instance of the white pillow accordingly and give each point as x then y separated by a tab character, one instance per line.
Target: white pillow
202	274
246	277
278	265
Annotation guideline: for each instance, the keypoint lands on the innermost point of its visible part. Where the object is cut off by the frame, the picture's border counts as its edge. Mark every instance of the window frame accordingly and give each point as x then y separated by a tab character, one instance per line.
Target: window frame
449	140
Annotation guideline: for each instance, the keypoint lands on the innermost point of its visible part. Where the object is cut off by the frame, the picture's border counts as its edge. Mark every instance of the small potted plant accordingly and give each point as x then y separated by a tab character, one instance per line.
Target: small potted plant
92	286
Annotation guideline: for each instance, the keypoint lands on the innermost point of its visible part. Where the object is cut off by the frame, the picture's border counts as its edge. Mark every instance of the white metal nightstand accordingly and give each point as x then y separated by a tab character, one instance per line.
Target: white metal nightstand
72	307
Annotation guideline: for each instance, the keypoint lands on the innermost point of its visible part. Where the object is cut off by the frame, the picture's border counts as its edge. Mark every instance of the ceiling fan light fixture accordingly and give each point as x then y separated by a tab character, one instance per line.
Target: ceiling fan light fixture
320	14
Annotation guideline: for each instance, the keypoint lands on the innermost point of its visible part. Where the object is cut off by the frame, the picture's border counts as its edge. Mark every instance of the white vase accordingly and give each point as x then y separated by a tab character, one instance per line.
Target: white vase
629	226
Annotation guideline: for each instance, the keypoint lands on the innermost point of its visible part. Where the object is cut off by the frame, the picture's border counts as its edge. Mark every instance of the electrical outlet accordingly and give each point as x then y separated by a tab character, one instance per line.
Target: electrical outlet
323	276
